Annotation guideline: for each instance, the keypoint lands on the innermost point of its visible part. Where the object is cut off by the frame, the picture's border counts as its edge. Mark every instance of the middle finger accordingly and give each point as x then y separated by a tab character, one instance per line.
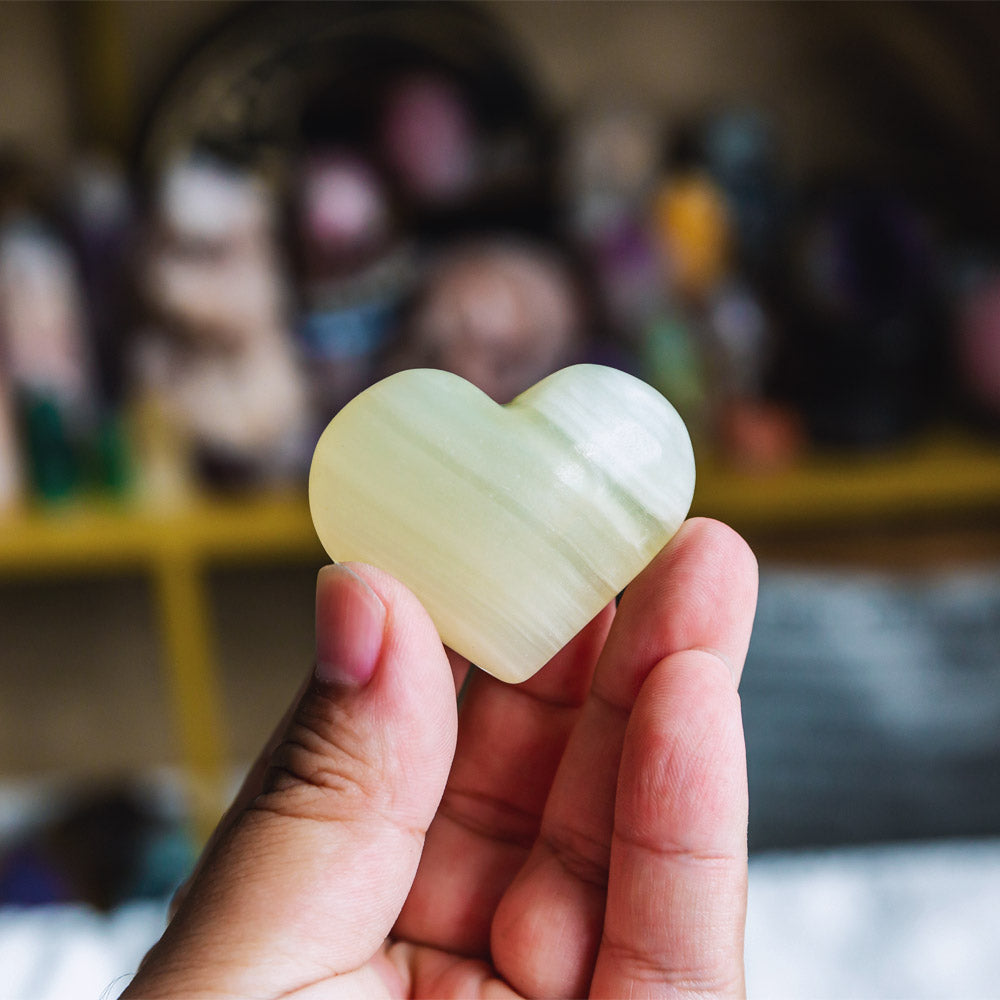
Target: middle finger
510	741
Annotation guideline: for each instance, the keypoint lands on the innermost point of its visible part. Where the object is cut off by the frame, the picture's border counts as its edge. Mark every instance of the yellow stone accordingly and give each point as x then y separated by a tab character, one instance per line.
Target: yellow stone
516	524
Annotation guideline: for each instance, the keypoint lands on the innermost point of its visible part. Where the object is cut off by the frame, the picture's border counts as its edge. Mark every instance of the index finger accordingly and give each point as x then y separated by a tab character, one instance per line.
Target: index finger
698	593
677	881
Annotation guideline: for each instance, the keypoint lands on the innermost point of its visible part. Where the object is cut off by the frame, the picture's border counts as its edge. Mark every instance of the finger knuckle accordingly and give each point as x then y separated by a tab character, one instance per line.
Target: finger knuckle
638	965
319	769
583	857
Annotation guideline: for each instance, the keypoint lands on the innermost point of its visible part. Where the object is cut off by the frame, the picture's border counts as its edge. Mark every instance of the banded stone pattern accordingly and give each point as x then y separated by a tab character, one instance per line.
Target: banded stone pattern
513	525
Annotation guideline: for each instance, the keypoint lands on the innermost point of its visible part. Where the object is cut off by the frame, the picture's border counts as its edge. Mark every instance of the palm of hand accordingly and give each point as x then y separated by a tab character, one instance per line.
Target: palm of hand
577	821
590	837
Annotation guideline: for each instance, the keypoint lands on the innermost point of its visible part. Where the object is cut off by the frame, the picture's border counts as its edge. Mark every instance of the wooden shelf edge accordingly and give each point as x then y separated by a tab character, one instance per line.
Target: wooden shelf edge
102	536
948	474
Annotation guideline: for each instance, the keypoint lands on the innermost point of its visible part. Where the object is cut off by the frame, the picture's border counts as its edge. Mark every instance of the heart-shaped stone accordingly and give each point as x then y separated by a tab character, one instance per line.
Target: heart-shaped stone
516	524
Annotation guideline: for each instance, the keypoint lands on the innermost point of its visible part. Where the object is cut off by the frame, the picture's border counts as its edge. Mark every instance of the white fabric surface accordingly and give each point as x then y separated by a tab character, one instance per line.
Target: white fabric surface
900	922
73	953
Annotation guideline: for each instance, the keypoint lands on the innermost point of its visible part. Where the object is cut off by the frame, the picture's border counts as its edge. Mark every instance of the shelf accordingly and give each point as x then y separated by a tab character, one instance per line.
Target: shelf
173	549
97	537
948	473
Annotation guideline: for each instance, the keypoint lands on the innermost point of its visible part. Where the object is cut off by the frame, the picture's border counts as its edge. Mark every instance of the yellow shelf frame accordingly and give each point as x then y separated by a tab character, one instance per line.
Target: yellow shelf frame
173	549
949	473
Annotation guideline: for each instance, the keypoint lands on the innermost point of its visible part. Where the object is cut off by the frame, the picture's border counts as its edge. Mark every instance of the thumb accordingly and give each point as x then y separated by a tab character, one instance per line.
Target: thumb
309	877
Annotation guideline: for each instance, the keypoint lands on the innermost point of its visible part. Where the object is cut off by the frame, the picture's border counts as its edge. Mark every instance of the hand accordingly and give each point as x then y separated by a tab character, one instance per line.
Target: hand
583	832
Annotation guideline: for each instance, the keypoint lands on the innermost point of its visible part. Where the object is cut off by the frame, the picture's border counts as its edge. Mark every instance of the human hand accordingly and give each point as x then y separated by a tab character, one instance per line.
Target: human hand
581	833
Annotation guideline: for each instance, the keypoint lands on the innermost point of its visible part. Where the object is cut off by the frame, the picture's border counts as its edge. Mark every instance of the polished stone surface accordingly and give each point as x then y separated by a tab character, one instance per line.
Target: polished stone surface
513	525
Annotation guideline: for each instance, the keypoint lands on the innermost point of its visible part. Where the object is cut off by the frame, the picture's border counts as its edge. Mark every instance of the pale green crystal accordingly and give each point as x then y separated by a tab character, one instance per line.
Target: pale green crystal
513	525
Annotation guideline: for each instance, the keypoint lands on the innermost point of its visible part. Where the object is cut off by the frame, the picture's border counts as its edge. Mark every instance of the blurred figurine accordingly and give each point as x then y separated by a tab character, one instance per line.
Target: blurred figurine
741	341
673	362
866	337
42	330
501	313
101	219
692	231
740	153
754	431
354	272
428	138
977	345
344	216
695	225
609	165
217	361
11	476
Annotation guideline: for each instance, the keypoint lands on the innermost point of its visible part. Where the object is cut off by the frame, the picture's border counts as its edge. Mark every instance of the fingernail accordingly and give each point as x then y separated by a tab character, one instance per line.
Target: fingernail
350	622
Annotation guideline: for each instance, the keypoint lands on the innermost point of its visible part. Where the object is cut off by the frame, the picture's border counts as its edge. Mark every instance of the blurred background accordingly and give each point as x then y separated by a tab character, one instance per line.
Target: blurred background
220	221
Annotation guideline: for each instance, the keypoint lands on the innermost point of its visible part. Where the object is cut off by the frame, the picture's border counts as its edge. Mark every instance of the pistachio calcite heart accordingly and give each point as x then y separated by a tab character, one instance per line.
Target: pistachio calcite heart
514	525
